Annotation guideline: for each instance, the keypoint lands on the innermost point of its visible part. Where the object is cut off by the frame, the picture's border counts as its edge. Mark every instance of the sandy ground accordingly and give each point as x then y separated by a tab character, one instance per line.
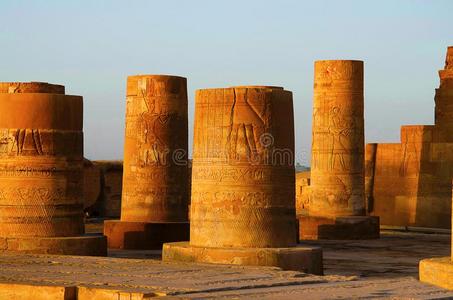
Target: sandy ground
374	269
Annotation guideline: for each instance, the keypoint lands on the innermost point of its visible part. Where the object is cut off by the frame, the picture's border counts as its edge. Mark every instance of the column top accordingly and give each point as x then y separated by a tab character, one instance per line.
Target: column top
31	87
155	76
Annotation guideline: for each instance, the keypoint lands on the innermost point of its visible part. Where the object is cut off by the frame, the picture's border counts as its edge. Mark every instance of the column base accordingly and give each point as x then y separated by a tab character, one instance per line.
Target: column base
339	228
144	235
306	259
87	245
437	271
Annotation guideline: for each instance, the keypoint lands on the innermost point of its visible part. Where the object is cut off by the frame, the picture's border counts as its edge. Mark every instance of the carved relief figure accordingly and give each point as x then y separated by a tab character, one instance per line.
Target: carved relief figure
21	142
152	126
410	153
247	125
339	129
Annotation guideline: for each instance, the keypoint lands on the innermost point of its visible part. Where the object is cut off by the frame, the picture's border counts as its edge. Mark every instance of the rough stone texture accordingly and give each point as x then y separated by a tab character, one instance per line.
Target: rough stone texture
136	235
337	168
336	183
31	87
111	188
408	183
302	193
242	177
349	227
155	173
41	166
438	271
306	259
386	268
91	183
242	183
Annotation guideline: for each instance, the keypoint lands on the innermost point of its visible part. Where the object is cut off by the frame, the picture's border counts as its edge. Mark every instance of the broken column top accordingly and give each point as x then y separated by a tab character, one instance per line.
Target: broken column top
257	87
31	87
449	58
446	75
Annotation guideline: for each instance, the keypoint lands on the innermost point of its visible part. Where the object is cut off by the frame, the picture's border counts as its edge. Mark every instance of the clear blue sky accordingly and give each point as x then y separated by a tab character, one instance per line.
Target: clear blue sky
91	46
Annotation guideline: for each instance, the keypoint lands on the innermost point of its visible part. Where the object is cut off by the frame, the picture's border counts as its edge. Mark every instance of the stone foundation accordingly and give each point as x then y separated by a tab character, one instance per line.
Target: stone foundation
306	259
339	228
437	271
88	245
144	235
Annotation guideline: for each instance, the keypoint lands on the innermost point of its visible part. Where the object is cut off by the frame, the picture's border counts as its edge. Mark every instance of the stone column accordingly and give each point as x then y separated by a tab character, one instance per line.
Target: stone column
337	201
439	270
155	189
41	171
243	181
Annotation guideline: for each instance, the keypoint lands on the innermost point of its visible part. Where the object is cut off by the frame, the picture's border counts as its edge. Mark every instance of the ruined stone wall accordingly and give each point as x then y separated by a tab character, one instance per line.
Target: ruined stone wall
412	179
409	184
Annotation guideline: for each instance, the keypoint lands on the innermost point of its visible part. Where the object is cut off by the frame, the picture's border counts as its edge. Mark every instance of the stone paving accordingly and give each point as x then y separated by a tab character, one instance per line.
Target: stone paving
367	269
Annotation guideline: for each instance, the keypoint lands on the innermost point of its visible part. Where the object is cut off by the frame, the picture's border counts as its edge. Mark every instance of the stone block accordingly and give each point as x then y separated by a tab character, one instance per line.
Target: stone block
339	228
437	271
307	259
144	235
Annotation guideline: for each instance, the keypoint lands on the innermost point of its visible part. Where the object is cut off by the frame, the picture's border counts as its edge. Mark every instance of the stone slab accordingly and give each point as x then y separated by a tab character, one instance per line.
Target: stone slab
437	271
144	235
37	292
385	268
306	259
89	244
339	228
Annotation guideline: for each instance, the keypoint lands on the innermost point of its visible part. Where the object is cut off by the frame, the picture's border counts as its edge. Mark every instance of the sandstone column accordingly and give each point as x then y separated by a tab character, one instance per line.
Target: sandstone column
41	171
155	189
243	202
439	271
337	200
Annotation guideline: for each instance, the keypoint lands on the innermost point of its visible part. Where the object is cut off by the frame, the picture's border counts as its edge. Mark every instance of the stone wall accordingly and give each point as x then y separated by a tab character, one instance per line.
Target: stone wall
103	192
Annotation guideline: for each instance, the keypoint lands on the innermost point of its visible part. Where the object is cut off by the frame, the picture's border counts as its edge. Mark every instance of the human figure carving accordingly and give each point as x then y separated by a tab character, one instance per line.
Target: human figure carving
246	120
339	128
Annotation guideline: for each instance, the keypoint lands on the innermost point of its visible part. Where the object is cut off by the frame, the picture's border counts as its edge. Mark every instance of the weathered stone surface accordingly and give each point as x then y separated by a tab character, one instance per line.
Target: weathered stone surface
144	235
155	187
41	164
37	292
410	182
242	170
111	187
243	181
337	168
31	87
306	259
302	192
381	268
335	188
345	228
437	271
91	183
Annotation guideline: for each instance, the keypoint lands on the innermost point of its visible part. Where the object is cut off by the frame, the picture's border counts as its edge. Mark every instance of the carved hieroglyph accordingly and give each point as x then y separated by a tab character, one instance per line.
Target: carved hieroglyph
337	167
41	159
243	171
155	151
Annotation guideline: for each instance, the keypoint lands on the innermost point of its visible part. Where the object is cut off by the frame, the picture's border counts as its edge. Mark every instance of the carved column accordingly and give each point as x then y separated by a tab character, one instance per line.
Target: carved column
41	171
155	172
337	200
243	202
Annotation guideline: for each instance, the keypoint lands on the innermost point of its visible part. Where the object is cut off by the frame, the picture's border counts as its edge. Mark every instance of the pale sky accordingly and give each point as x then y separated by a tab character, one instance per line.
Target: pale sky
91	47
